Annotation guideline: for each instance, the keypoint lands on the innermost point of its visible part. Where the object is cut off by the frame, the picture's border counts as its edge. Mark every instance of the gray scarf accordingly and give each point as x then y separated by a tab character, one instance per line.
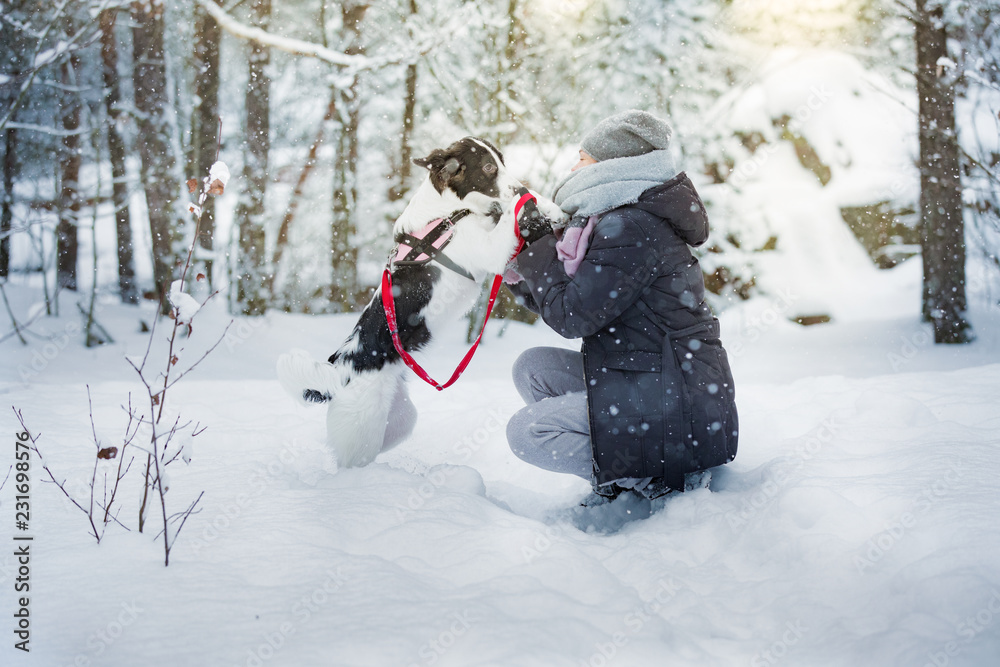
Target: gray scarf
598	188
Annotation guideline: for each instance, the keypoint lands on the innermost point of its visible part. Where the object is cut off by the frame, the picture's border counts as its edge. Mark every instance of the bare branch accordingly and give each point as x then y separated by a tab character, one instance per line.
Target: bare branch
74	43
4	482
202	358
52	478
188	512
17	329
291	45
55	132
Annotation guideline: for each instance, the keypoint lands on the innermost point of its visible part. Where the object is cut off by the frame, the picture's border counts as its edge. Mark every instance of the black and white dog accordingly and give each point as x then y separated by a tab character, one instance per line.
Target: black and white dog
469	188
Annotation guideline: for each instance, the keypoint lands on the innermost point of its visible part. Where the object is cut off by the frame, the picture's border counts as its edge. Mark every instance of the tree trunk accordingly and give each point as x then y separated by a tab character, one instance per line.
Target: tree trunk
205	133
345	291
127	287
159	180
7	203
252	285
344	255
942	227
281	242
398	190
69	176
502	119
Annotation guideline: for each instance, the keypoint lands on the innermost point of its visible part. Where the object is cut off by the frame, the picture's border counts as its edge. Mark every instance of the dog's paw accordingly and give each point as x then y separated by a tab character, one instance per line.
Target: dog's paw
538	218
555	216
306	380
533	225
314	396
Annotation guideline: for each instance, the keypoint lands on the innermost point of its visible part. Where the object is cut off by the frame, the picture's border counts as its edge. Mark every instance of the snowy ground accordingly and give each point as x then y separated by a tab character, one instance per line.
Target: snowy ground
857	525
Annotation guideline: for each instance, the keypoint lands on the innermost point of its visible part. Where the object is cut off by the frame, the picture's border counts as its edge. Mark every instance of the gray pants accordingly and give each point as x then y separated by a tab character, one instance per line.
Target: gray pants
552	431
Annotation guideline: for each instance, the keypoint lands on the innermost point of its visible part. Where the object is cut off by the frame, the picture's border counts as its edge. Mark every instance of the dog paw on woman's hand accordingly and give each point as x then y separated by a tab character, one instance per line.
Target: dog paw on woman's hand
532	224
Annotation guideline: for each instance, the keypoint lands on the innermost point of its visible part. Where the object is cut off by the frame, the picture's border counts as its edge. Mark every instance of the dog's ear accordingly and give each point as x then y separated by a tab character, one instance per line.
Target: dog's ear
443	167
424	162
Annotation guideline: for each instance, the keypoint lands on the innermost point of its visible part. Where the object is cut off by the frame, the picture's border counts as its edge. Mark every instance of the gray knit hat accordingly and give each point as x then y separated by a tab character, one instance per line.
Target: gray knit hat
627	134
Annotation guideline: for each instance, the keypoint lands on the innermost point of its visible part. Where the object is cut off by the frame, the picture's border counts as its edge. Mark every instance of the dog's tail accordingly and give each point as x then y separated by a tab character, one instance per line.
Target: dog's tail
307	380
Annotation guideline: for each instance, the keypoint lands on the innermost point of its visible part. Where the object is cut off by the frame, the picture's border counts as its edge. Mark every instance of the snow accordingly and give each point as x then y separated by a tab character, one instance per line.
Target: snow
185	306
219	172
856	526
861	125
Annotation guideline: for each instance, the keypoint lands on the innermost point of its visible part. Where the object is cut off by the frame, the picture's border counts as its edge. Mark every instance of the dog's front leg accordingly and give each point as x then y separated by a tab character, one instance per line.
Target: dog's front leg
554	215
537	218
501	241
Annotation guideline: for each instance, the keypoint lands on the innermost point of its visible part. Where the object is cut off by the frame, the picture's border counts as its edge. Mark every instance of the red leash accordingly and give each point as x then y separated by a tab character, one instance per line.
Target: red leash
389	305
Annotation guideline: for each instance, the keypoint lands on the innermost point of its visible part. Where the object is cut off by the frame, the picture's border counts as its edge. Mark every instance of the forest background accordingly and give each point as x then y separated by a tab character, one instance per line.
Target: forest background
108	107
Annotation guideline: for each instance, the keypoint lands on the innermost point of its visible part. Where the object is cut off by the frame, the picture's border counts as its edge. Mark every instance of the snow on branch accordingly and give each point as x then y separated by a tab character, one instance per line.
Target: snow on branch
420	47
289	44
30	127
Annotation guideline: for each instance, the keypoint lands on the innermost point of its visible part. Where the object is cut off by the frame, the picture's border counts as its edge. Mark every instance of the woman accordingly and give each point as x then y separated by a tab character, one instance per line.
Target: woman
650	397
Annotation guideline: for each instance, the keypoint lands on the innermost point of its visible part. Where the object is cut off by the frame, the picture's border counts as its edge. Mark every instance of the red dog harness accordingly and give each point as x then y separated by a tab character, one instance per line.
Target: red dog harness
426	247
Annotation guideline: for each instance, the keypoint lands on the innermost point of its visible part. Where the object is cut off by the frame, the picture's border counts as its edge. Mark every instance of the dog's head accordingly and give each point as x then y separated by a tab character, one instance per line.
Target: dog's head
473	170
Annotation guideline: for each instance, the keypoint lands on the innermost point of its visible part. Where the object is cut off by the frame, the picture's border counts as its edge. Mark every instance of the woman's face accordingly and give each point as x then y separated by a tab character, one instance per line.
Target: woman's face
585	160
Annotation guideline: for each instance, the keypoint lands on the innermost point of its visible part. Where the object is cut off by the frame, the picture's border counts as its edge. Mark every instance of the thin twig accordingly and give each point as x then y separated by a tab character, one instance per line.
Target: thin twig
17	328
52	478
202	358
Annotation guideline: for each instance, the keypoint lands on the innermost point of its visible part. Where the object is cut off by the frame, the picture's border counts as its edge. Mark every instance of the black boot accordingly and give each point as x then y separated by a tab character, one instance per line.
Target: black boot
658	488
602	495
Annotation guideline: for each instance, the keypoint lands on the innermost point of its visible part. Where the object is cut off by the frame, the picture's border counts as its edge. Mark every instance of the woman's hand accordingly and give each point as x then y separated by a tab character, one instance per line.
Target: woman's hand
532	225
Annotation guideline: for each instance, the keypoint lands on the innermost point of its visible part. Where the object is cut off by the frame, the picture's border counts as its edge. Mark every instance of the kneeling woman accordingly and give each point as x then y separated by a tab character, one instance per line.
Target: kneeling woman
650	397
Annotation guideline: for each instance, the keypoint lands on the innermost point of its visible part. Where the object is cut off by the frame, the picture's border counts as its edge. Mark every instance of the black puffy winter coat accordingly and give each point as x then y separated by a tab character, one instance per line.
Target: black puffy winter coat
659	387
